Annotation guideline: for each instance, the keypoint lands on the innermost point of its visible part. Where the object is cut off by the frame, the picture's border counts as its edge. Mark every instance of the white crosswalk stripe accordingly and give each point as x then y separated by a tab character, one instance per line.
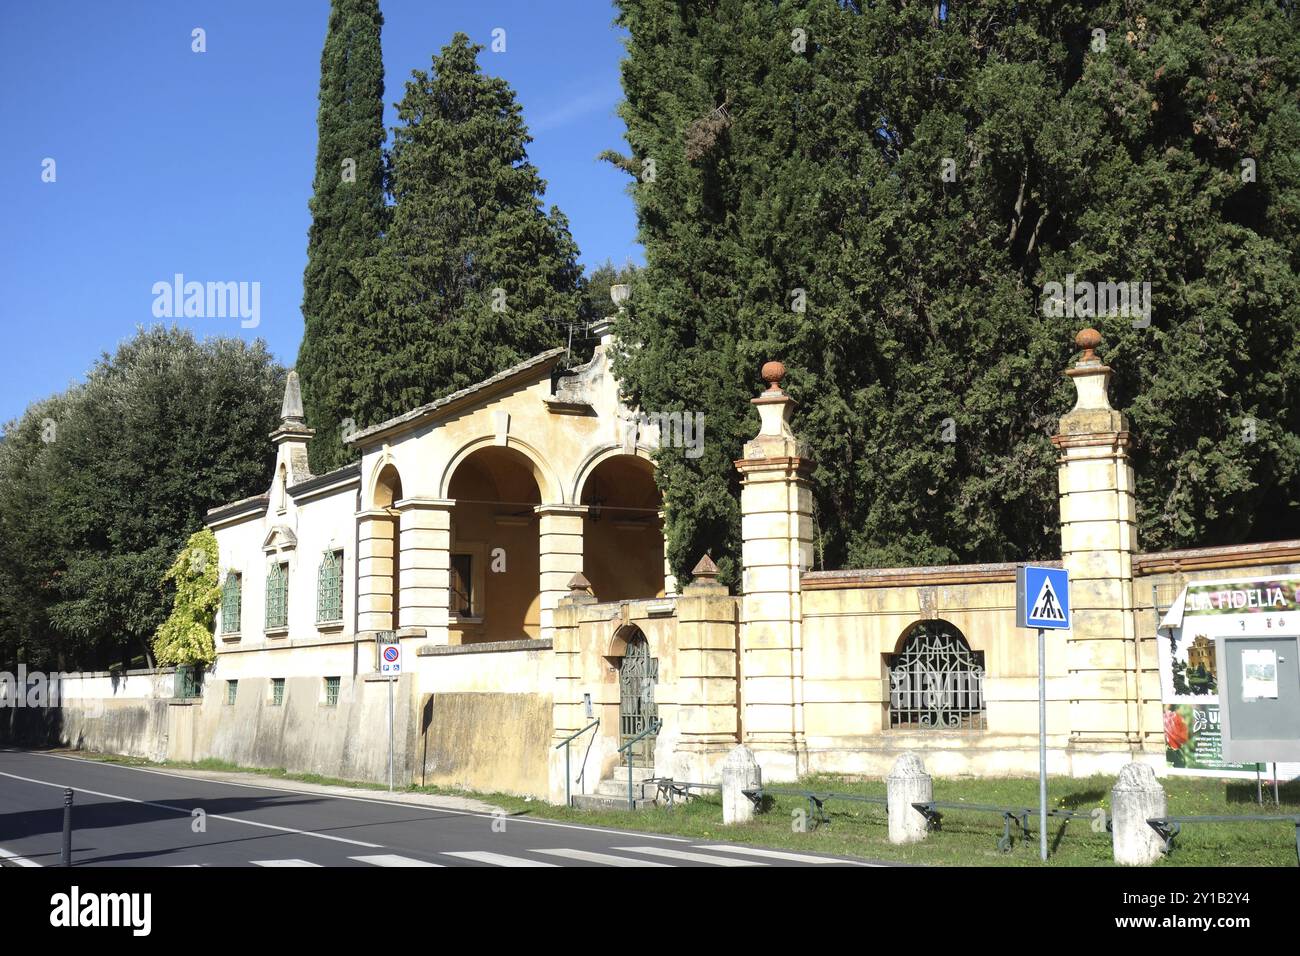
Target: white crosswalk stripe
391	859
689	857
607	859
283	863
498	859
773	854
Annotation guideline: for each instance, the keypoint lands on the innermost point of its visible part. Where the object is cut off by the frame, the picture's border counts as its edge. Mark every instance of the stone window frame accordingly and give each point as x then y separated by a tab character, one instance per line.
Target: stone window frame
280	626
229	633
329	623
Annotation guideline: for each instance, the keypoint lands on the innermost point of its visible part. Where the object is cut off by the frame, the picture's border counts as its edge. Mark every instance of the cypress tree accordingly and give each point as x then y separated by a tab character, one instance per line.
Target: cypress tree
348	213
473	275
879	194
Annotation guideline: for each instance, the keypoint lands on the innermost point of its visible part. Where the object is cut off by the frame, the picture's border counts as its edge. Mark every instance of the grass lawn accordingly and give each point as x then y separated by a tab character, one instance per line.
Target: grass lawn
968	838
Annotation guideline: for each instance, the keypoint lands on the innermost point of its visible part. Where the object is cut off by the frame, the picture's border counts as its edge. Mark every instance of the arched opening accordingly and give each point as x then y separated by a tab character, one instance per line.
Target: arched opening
388	491
638	674
623	541
495	567
936	682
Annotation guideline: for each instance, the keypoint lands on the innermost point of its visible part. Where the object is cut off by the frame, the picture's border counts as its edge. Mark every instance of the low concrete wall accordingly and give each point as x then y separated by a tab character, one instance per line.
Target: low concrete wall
100	711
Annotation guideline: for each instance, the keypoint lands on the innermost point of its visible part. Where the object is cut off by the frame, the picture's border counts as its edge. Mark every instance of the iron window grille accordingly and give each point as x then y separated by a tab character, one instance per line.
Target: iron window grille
277	596
329	588
231	603
936	682
277	691
462	585
331	692
232	688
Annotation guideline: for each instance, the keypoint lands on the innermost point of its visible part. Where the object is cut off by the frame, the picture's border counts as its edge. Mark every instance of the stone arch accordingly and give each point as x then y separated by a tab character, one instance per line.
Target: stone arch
385	484
623	635
547	483
622	528
597	457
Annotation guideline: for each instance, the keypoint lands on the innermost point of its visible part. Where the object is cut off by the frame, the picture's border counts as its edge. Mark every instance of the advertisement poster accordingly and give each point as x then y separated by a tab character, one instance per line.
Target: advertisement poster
1189	672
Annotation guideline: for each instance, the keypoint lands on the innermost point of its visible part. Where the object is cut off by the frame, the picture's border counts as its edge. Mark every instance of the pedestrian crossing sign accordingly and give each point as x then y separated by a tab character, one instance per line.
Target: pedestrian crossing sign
1043	598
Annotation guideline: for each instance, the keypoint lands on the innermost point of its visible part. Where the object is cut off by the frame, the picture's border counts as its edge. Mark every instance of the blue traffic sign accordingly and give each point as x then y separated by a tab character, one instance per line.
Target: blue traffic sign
1043	598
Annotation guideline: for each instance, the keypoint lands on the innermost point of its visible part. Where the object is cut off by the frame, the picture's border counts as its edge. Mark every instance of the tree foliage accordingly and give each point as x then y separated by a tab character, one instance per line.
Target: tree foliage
792	155
101	485
186	636
348	215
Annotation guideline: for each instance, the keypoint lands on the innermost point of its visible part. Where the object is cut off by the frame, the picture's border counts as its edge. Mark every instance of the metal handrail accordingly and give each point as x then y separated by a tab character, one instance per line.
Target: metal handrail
568	793
653	728
1169	827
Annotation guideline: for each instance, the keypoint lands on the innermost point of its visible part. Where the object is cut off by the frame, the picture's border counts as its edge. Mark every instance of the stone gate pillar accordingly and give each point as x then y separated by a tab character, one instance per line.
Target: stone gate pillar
777	533
1098	539
424	570
708	719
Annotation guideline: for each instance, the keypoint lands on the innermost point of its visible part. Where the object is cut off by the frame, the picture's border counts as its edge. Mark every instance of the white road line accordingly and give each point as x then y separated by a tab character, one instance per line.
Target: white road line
184	812
689	857
498	859
16	859
774	854
181	775
283	863
391	859
608	859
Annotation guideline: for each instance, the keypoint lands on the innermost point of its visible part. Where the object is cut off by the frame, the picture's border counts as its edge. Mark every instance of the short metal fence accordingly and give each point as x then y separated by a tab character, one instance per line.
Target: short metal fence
1169	827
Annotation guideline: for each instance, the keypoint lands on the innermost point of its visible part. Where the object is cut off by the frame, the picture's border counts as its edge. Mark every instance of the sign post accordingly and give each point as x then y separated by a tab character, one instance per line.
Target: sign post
1042	602
390	665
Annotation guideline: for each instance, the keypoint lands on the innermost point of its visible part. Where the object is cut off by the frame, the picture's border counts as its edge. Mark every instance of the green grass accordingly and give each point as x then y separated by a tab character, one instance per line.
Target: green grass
968	838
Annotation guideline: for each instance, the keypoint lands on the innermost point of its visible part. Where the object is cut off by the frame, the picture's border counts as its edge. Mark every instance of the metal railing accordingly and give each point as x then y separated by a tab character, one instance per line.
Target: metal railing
816	800
1018	816
671	789
568	794
653	728
1169	827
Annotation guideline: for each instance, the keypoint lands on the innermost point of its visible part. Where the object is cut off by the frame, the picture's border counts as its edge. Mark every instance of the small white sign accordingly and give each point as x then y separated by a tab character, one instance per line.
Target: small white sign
1258	674
390	657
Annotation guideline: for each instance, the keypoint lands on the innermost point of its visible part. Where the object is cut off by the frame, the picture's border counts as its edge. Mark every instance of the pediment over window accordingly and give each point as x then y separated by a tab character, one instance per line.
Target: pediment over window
280	538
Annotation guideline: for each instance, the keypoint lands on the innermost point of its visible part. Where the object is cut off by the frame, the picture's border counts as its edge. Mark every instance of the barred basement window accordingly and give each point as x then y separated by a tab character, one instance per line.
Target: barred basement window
277	691
231	603
936	682
331	692
277	596
232	688
329	588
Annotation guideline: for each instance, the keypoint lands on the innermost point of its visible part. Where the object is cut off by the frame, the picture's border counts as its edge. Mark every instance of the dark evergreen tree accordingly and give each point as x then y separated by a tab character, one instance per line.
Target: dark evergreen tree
912	176
348	213
473	274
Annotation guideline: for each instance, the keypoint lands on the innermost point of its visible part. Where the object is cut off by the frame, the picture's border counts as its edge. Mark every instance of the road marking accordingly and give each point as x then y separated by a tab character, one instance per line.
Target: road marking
181	775
498	859
391	859
689	857
15	859
187	813
774	854
608	859
283	863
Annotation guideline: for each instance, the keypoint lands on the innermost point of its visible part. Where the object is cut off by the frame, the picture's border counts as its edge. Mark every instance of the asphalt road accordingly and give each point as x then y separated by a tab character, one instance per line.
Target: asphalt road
131	816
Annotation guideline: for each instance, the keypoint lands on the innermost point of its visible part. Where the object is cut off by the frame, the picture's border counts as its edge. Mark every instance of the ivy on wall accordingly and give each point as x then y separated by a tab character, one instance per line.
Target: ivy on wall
186	636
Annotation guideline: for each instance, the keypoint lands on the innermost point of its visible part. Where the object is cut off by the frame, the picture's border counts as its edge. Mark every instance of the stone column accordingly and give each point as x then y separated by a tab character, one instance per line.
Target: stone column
559	542
1136	798
375	570
740	772
567	710
907	783
709	718
424	574
1098	540
776	528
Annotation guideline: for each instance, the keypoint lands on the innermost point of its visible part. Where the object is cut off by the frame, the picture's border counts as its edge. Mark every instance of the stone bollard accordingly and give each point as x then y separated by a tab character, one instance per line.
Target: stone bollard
907	783
740	772
1136	797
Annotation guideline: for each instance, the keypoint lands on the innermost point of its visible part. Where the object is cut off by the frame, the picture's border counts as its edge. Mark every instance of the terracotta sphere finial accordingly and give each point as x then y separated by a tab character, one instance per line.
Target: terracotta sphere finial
1088	340
772	373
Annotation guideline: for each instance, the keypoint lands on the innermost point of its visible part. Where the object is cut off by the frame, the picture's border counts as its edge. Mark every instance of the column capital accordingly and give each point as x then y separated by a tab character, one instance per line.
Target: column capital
560	509
412	504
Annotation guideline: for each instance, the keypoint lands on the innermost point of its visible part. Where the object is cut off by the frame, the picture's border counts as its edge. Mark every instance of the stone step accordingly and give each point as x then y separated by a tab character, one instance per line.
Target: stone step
616	786
600	801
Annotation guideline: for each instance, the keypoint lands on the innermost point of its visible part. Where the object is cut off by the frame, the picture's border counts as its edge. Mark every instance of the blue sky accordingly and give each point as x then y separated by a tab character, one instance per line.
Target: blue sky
170	161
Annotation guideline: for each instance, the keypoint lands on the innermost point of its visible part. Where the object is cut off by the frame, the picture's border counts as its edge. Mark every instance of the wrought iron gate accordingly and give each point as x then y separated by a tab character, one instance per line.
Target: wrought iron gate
637	676
937	682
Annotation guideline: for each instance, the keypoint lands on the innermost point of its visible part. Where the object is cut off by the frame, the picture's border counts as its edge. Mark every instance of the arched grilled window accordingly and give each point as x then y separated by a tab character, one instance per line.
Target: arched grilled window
329	588
936	682
231	601
277	596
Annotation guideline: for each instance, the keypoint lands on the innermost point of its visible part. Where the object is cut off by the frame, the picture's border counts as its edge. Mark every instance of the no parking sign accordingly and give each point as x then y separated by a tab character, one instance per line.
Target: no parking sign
390	654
